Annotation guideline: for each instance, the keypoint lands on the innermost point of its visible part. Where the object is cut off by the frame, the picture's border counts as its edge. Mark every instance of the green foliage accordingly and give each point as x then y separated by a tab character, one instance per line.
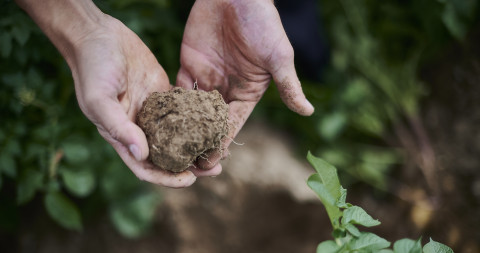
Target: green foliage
133	216
28	183
457	15
407	246
436	247
79	182
371	87
356	215
346	217
48	149
63	210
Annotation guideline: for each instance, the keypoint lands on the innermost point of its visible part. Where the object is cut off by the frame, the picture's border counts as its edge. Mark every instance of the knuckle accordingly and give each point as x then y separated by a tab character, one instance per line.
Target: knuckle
114	132
286	54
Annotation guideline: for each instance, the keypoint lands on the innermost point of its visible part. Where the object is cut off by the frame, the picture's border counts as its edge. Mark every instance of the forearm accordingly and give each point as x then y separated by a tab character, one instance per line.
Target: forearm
65	22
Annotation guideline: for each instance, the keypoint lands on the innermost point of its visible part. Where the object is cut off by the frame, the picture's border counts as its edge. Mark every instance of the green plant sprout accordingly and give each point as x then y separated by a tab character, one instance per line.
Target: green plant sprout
345	218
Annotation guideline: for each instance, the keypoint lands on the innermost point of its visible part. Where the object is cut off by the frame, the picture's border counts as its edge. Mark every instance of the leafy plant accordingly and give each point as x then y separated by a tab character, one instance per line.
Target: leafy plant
50	154
345	218
368	107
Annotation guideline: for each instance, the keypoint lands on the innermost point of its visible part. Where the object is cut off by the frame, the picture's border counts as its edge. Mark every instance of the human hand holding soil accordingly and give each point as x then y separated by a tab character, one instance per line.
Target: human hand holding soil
237	47
113	72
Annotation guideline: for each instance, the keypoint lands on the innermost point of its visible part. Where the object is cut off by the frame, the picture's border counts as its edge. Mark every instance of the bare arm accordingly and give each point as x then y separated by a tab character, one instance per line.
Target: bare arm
65	22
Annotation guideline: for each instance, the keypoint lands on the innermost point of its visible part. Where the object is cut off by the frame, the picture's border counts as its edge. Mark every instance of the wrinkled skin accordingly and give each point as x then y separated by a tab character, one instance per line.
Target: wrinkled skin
114	72
236	47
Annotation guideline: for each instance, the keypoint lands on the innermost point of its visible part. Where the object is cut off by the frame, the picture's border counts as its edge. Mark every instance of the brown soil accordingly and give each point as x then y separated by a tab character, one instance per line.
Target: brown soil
182	125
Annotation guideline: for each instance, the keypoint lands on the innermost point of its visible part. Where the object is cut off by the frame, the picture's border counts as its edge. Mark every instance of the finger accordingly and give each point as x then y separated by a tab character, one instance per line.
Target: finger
237	116
288	85
146	172
116	126
215	171
197	68
130	143
184	79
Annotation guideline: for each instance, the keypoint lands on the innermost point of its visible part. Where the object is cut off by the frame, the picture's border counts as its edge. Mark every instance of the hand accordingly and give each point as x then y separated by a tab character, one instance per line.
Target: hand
113	72
236	47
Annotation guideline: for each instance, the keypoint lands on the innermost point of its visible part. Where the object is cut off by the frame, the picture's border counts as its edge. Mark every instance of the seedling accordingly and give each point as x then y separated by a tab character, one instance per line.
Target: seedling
345	218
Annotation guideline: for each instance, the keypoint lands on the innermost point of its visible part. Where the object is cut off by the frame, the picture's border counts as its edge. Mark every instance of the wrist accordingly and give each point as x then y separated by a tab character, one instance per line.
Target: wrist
66	22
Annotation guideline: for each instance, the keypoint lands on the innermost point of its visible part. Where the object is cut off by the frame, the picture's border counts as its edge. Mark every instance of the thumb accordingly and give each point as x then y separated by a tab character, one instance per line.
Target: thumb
116	127
289	86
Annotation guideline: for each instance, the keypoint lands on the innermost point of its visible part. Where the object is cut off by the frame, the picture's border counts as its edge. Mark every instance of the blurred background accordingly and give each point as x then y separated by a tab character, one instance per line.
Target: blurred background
395	87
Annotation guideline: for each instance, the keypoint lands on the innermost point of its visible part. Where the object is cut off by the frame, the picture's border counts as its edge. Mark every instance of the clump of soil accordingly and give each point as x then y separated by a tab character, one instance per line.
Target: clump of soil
182	125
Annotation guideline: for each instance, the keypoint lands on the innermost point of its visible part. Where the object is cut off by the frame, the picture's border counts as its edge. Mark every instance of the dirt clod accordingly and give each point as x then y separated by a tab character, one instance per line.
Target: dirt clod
183	125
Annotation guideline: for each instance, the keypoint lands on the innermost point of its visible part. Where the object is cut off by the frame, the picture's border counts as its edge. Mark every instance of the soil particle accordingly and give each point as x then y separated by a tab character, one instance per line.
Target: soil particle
289	95
182	125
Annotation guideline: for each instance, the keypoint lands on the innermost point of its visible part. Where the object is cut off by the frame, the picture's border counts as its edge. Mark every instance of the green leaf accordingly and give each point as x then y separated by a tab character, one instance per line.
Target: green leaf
8	165
356	215
368	242
343	197
385	251
13	147
315	183
5	44
117	181
453	22
63	210
79	182
327	186
1	182
21	35
332	125
328	175
407	246
28	184
327	247
339	233
436	247
133	217
75	152
353	230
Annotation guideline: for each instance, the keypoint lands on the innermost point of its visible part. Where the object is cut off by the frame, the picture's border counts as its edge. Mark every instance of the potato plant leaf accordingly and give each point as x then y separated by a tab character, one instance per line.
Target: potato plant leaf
21	34
8	165
327	186
453	22
368	242
436	247
356	215
328	175
316	184
133	216
27	185
332	125
353	230
79	182
5	44
327	247
341	202
76	152
62	210
407	246
339	233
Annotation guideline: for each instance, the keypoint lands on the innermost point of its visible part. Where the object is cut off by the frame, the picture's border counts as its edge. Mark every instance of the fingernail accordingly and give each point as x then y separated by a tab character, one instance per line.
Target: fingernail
135	152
